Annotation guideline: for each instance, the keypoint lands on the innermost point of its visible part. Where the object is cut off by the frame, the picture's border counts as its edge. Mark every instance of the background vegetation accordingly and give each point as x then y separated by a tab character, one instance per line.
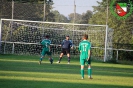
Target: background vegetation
122	29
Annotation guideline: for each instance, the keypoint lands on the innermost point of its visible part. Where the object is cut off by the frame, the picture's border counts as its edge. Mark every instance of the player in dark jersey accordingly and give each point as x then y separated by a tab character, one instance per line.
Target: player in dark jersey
66	46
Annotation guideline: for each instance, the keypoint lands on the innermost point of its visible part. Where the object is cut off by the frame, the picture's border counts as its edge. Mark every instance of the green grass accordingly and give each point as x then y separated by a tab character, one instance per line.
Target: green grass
25	72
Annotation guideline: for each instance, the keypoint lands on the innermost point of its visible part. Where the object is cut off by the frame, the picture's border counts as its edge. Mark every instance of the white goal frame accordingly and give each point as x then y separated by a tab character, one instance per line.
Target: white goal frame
106	47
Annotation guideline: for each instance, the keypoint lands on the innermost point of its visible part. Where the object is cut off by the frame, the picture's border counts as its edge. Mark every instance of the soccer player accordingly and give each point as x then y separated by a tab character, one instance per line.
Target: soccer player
46	49
66	46
84	48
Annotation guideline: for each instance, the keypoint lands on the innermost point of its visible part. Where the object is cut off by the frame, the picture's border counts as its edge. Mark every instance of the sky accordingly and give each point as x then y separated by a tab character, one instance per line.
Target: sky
66	7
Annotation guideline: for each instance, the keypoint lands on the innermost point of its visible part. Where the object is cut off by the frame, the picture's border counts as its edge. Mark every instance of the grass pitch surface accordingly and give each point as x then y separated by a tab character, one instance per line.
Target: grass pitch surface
18	71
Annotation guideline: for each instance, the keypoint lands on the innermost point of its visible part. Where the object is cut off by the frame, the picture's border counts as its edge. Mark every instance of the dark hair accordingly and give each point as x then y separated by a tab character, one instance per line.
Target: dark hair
47	36
85	36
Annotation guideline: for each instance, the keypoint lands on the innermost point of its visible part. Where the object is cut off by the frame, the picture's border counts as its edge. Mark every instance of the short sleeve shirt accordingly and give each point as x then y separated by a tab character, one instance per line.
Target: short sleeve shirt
84	47
46	43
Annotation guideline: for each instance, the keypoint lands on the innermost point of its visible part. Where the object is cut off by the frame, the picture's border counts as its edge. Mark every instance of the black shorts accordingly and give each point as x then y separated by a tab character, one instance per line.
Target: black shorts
65	51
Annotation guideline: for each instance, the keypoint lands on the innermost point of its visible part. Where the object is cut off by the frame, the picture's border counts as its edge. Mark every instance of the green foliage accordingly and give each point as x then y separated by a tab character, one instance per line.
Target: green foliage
26	10
122	33
28	1
4	32
59	17
77	19
86	16
80	18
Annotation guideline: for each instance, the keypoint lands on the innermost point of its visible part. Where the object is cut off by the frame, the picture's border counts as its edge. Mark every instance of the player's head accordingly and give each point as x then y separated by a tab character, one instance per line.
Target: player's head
47	36
85	37
67	37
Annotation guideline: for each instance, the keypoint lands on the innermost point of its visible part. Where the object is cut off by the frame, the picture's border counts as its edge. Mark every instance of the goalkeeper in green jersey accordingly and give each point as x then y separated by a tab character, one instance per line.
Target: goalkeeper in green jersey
84	48
46	49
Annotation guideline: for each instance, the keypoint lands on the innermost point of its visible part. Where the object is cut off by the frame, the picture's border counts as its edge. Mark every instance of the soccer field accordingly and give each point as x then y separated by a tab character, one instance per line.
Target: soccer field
25	72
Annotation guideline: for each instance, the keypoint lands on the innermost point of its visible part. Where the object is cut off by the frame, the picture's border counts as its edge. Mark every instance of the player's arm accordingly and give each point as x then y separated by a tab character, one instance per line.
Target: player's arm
62	43
49	45
49	48
42	42
79	47
89	53
71	44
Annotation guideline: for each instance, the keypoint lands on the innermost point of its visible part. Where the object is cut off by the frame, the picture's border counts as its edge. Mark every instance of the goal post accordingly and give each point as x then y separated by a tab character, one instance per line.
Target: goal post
0	34
23	37
106	39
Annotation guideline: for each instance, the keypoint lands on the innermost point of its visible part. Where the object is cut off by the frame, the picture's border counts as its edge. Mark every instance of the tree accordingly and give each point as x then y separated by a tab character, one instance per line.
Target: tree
59	17
26	9
26	1
81	18
86	16
63	18
122	36
100	17
78	17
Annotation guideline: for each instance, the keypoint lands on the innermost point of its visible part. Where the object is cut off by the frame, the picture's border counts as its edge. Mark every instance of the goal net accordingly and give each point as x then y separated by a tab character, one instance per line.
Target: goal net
23	37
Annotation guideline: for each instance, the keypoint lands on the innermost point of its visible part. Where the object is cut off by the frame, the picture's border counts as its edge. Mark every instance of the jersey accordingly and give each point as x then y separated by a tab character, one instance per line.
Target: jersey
66	44
46	43
84	46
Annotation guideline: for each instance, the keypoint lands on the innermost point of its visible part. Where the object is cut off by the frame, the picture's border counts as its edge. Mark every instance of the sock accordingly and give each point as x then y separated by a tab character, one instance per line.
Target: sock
60	59
82	73
89	72
40	59
68	59
50	59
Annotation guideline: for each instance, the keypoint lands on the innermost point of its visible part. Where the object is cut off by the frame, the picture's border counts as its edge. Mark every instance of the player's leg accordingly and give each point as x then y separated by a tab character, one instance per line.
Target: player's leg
68	55
89	69
61	55
82	68
42	55
50	57
41	59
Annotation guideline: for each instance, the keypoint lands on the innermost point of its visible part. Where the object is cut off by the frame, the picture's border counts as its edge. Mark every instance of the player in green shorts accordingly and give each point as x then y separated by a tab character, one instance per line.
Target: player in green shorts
46	49
84	48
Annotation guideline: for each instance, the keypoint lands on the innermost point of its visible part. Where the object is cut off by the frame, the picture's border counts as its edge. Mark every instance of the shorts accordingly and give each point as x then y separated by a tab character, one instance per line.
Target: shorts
83	61
65	51
45	52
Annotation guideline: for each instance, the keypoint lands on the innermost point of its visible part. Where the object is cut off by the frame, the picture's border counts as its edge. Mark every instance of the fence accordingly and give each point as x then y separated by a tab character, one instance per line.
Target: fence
45	12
